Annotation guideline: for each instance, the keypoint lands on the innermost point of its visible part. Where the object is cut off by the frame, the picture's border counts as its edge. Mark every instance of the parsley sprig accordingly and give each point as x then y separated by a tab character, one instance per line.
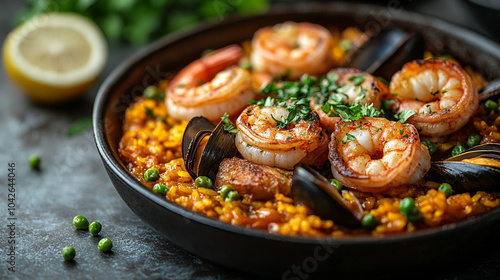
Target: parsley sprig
228	125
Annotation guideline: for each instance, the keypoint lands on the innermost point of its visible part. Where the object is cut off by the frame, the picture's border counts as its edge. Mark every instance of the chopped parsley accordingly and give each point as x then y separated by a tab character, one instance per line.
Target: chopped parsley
434	93
228	126
357	80
403	116
149	112
348	137
354	112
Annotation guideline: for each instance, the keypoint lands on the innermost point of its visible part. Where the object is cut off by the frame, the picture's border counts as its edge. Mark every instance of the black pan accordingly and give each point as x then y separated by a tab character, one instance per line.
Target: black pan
256	251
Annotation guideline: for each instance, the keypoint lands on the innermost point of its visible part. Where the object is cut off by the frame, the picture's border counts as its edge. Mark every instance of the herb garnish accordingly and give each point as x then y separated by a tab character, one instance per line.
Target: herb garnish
79	126
228	126
348	137
403	116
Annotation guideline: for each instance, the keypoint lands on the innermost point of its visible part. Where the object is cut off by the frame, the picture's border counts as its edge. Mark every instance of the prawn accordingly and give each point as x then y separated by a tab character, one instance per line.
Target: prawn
210	86
375	154
441	92
353	87
261	141
292	49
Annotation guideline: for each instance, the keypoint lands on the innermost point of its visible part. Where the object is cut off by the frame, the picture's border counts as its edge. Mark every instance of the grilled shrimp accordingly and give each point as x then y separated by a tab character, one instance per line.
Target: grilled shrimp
292	48
210	86
375	154
355	86
442	94
260	181
260	140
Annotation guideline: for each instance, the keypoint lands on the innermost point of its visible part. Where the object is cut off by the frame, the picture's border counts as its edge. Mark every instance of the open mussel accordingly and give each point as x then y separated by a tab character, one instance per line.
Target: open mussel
477	169
387	51
313	190
205	145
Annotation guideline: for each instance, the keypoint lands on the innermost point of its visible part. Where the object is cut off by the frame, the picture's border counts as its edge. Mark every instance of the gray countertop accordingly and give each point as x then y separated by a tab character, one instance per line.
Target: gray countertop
72	181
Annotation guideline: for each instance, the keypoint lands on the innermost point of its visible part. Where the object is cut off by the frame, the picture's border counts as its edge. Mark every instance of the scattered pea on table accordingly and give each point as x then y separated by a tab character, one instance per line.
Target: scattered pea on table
68	253
95	227
34	161
105	244
80	222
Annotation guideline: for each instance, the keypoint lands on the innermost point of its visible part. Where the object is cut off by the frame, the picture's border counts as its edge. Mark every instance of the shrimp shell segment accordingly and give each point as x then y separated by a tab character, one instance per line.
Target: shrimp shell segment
441	92
375	154
260	140
210	86
292	48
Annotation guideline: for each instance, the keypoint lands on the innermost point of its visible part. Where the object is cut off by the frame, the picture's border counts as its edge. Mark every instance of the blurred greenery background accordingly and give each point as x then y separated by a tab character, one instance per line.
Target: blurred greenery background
140	21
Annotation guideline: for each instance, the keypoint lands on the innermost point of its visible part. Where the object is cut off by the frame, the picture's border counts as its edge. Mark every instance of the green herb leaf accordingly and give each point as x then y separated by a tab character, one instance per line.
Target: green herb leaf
348	137
403	116
79	126
357	80
228	126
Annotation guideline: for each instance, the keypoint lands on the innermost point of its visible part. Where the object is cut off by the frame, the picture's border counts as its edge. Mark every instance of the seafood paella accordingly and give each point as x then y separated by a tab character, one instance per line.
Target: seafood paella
282	134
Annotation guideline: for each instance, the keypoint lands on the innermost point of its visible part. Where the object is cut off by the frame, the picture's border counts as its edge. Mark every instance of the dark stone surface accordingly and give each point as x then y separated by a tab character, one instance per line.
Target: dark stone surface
72	181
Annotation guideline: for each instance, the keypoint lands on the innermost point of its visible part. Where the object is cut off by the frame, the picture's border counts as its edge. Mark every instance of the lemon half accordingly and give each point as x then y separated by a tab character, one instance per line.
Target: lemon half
55	57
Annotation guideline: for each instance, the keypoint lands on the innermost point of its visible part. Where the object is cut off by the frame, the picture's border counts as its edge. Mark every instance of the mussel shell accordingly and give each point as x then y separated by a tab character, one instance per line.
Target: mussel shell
465	177
491	90
490	150
313	190
192	151
194	126
220	145
387	51
196	129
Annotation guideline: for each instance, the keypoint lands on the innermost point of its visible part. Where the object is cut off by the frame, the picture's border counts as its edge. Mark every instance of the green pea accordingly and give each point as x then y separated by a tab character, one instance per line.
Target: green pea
80	222
68	253
160	189
337	184
203	182
232	196
446	188
433	147
34	161
105	244
151	175
225	190
369	221
458	149
491	105
408	208
95	227
474	140
152	92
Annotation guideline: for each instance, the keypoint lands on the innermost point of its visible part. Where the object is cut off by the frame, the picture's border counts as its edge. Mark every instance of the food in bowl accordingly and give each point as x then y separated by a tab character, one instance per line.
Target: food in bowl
283	101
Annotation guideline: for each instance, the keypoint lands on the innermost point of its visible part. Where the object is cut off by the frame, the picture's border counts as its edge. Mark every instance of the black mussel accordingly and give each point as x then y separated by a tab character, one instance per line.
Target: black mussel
482	175
313	190
387	51
491	90
205	145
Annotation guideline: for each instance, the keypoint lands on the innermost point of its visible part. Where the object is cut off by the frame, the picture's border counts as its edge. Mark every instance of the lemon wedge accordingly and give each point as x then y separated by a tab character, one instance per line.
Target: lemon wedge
55	57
